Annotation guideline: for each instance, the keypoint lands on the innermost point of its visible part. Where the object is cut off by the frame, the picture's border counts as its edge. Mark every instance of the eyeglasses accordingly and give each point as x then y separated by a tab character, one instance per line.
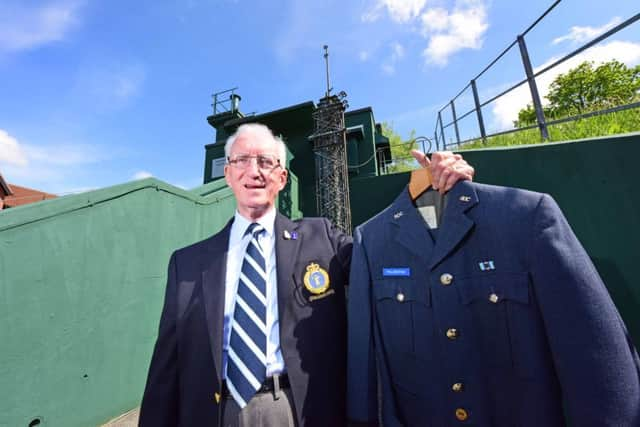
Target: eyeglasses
264	161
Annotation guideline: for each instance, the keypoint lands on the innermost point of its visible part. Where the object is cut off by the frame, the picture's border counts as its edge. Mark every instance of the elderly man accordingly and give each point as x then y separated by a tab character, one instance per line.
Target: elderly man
253	329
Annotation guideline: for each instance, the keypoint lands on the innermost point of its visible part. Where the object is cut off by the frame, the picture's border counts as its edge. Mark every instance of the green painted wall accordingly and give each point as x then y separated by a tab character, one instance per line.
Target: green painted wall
82	281
365	147
593	182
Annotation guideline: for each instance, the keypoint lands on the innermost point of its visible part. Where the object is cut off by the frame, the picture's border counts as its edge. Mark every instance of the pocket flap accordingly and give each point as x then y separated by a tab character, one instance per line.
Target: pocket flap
494	288
402	290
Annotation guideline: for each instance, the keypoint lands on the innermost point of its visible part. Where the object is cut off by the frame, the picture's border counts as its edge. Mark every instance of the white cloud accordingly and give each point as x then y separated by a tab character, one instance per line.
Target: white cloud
142	175
399	10
584	34
397	53
364	55
11	152
449	32
505	109
53	168
434	20
23	28
446	31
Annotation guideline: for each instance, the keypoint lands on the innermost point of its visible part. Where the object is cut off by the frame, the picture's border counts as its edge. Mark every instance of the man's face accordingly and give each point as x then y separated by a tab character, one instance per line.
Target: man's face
255	188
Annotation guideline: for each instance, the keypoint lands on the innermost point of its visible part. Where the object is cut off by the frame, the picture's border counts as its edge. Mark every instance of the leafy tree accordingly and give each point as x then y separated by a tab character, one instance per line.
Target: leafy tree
400	149
587	88
527	116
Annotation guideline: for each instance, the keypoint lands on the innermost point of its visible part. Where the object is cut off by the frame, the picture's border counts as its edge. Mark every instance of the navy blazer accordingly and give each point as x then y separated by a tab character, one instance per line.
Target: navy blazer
184	382
501	321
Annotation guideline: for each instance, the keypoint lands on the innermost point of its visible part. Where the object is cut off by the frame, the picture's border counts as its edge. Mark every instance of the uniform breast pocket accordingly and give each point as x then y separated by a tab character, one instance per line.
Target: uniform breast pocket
401	312
497	306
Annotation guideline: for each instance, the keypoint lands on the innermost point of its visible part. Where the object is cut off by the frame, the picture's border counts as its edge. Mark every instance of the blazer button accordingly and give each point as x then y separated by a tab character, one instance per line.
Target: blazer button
446	279
452	333
457	387
494	298
400	297
462	414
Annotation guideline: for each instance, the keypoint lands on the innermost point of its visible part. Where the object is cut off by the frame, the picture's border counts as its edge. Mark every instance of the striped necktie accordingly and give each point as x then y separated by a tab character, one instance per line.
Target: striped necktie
246	368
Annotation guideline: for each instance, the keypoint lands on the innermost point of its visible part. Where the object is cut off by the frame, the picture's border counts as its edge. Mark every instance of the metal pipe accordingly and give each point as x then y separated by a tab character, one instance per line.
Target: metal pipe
455	121
533	87
476	100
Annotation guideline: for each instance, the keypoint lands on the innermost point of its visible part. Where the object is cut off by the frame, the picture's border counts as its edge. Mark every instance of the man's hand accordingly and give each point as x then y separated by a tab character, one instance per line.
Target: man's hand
446	168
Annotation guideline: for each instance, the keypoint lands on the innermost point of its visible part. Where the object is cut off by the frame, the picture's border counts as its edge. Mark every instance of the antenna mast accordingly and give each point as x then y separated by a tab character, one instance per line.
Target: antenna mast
330	150
326	60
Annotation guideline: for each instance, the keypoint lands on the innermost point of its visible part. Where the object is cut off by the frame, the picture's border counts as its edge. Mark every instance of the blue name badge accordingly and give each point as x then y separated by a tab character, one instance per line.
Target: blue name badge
396	271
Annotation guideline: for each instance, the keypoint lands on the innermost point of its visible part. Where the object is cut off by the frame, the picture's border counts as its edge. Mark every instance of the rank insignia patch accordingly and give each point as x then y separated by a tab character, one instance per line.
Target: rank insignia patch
486	265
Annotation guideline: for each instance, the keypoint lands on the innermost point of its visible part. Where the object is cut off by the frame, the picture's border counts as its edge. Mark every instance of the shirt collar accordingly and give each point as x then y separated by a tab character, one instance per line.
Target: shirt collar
267	220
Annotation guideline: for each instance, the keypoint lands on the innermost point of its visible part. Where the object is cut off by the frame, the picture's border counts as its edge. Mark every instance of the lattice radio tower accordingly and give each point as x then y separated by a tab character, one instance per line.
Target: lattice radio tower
330	150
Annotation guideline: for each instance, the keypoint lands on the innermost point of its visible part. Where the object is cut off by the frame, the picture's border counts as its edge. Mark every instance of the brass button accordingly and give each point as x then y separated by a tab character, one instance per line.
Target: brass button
493	298
446	279
457	387
452	333
461	414
400	297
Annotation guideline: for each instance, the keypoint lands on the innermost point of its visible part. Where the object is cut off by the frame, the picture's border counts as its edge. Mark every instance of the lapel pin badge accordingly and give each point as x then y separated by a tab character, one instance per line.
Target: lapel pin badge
465	198
290	235
486	265
398	214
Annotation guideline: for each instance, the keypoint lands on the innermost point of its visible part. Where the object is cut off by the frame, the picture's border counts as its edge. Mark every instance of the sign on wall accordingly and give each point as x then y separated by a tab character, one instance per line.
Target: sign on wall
217	167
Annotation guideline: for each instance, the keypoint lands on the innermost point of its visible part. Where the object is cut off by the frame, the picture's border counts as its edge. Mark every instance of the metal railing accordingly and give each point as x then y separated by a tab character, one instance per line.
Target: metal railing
223	103
541	121
388	164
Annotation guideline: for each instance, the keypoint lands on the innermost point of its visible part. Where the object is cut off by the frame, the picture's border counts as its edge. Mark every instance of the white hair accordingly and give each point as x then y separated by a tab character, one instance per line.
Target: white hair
259	131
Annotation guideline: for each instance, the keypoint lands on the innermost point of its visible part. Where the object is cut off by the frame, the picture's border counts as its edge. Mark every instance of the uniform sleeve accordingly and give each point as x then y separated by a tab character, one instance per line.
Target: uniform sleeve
160	400
342	245
596	363
362	405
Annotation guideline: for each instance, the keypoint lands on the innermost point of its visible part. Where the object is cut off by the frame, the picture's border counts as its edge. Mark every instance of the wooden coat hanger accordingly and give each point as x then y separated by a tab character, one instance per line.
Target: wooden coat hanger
419	182
421	179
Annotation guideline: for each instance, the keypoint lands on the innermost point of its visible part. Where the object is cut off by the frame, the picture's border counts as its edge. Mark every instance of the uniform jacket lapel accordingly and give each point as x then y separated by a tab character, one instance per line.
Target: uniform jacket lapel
213	287
408	228
455	222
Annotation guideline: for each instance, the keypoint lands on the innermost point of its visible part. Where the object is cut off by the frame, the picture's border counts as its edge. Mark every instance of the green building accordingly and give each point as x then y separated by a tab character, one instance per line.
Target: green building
367	149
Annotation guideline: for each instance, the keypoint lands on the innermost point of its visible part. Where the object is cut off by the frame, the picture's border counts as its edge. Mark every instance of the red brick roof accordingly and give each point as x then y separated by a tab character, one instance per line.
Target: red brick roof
23	196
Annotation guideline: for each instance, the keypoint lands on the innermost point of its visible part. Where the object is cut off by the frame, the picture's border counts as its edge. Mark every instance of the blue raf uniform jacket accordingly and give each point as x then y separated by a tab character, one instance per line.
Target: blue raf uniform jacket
502	321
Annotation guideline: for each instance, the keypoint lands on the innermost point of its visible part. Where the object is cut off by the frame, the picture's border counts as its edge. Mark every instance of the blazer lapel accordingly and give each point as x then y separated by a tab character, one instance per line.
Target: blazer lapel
286	254
213	288
408	228
455	222
287	250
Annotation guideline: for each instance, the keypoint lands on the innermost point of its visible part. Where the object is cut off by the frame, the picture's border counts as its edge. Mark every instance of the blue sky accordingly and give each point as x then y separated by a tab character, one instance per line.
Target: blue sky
97	93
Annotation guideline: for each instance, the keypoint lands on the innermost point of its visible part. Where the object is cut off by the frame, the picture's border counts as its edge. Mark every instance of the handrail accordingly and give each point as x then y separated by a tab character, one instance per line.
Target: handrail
541	120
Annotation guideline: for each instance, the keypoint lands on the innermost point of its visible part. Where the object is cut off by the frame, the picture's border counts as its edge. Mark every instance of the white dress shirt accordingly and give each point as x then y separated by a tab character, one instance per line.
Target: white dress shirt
238	243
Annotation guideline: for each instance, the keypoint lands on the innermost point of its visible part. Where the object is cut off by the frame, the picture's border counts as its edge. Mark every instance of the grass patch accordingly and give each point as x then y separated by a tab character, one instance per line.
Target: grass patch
607	124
